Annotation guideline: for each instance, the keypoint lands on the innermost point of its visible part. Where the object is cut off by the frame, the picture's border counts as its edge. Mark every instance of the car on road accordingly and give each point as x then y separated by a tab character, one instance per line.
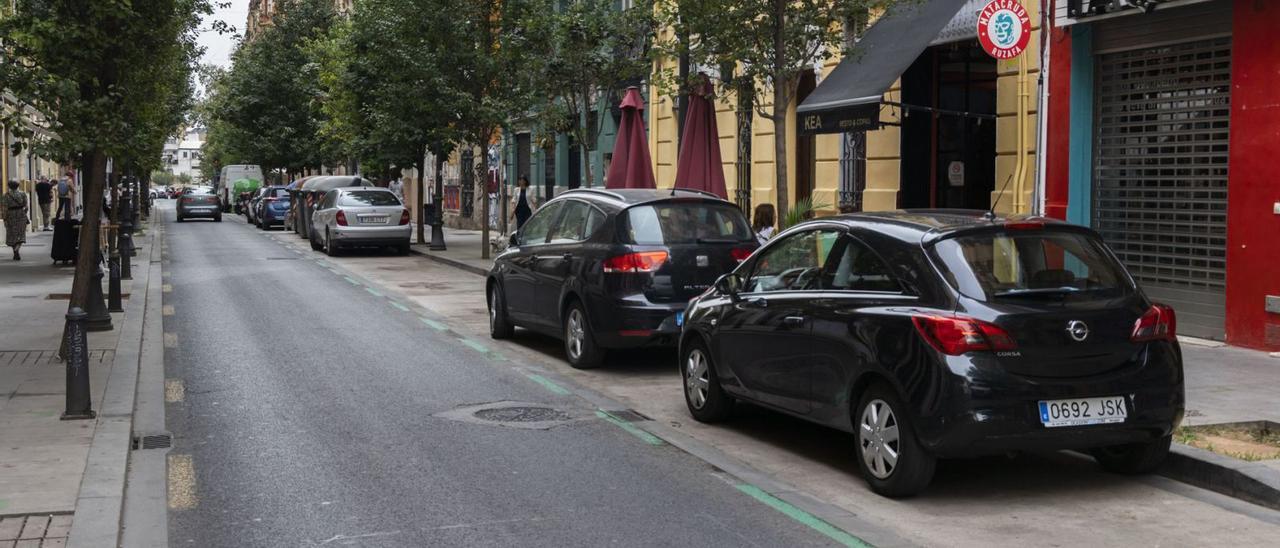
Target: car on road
935	334
351	217
270	207
199	201
614	269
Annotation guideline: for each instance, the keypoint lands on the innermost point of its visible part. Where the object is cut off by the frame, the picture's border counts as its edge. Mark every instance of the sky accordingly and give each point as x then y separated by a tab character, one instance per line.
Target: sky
218	46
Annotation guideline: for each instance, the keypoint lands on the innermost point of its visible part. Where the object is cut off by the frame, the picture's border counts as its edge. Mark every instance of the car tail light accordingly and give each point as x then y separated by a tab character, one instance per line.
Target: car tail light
644	261
342	218
1024	225
958	335
185	200
269	200
1158	323
404	217
740	253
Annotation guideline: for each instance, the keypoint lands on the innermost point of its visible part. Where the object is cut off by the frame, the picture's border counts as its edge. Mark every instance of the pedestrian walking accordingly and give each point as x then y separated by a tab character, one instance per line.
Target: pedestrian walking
66	197
522	208
16	205
397	187
762	222
44	197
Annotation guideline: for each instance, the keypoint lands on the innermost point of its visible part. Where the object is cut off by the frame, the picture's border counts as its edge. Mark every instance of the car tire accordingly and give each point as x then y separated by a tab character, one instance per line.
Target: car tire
403	249
499	325
180	218
1133	458
579	342
892	460
315	246
706	399
330	248
217	218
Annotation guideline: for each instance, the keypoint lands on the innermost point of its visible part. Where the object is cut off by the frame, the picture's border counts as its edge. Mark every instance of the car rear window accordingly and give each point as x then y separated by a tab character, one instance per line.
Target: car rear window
686	223
369	198
201	190
277	193
1028	264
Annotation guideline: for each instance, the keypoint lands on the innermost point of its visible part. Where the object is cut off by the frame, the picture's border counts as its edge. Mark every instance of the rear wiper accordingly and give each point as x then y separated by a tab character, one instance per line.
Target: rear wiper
1042	291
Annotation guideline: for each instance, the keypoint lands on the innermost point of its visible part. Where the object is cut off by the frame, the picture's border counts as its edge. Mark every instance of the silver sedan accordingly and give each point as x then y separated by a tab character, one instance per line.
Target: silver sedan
360	217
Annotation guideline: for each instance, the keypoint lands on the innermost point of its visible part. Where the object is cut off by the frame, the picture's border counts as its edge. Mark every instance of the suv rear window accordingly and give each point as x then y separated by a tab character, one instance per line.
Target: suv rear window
1028	264
686	223
369	198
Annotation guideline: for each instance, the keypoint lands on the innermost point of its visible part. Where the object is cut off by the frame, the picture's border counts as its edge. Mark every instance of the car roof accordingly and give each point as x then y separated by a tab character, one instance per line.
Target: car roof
929	225
626	197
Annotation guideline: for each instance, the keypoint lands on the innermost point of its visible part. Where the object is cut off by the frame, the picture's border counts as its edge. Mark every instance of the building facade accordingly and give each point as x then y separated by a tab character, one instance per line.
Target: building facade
181	153
1164	121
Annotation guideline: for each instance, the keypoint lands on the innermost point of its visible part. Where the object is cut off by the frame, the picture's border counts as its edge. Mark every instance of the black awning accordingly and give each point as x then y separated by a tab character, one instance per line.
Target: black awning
849	98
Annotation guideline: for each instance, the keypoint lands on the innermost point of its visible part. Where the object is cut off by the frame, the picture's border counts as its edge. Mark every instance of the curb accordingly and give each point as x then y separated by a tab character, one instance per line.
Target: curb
451	262
1247	481
100	502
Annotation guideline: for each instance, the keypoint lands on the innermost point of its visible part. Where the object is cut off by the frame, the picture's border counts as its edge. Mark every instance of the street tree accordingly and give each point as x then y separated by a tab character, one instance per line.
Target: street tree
763	48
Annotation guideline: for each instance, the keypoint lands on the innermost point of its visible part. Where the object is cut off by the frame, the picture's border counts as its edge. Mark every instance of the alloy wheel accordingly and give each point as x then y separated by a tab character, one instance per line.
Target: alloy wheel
879	439
493	308
696	378
574	333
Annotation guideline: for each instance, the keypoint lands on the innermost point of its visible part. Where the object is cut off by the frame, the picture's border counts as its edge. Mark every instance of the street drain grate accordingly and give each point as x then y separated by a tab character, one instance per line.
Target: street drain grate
154	441
522	414
630	415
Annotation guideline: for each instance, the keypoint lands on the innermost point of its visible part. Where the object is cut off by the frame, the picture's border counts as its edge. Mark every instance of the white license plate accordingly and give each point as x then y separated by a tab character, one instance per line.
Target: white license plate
372	219
1083	411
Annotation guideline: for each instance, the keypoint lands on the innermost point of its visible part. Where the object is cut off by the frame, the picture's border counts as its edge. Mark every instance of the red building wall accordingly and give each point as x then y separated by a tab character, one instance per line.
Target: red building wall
1057	153
1253	230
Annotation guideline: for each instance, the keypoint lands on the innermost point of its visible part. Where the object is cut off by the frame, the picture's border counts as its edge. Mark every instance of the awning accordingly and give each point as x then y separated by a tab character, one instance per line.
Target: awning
849	98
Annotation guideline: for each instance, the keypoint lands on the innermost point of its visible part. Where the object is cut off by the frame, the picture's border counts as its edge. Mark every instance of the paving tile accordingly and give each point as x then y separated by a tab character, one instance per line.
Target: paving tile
9	529
59	526
35	527
33	543
54	543
7	543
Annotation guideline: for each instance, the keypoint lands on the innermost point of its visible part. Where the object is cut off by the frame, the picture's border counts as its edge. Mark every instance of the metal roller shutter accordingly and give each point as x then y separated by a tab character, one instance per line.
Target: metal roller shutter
1160	173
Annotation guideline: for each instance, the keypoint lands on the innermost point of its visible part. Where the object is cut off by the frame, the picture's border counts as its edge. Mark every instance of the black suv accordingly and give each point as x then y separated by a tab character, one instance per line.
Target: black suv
941	334
614	268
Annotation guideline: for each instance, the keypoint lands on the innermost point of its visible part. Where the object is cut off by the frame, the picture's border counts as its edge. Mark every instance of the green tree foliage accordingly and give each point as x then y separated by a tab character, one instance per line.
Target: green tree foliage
763	48
163	178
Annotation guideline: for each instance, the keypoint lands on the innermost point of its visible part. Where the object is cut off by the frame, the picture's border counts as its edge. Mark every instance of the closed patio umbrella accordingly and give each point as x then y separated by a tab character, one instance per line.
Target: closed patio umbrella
631	167
698	166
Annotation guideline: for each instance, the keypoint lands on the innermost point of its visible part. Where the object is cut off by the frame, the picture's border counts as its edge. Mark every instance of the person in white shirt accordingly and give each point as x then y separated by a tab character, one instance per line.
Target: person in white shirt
397	187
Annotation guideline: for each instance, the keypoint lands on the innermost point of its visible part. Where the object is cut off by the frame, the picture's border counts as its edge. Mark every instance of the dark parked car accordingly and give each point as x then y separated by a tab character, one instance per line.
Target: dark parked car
934	334
270	207
608	269
199	202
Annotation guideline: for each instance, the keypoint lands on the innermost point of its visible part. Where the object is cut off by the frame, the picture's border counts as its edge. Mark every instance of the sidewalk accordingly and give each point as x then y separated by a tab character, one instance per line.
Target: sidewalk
464	248
43	459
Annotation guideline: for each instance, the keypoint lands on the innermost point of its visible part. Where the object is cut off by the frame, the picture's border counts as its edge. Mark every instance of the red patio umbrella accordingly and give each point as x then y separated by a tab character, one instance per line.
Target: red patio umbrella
631	167
699	164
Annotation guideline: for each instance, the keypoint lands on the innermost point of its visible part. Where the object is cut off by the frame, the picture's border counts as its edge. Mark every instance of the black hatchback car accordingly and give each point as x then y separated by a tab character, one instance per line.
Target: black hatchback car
607	269
934	334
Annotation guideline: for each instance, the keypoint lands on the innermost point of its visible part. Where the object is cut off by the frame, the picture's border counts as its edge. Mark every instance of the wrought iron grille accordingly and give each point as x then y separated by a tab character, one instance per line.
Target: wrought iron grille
467	174
742	192
1160	171
853	169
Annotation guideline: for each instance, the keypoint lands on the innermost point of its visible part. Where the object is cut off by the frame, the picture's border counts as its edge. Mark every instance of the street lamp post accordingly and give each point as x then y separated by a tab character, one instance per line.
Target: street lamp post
437	217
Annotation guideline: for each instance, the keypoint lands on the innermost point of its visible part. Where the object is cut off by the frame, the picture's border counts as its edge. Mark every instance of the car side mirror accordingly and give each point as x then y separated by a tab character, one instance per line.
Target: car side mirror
515	239
729	285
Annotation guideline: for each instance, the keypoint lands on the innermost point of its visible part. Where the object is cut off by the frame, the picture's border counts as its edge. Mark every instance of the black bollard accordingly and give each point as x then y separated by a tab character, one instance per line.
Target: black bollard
113	285
99	319
79	401
127	250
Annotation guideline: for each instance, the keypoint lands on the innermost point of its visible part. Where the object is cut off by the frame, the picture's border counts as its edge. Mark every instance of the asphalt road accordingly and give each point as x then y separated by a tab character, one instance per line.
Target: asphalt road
305	412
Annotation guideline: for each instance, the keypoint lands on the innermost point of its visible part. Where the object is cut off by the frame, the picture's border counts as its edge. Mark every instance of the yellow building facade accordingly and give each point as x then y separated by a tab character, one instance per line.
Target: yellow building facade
895	145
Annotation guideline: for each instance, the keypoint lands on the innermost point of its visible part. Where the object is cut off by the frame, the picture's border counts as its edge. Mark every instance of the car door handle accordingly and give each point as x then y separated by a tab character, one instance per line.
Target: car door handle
793	321
567	256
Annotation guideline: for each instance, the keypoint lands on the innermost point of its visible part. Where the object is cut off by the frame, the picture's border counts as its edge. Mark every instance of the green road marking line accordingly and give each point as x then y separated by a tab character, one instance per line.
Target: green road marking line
475	346
810	520
547	383
402	308
373	292
351	280
333	270
630	428
434	324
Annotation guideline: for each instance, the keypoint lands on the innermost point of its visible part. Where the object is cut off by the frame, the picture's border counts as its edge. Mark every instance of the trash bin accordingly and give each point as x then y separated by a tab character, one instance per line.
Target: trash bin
429	213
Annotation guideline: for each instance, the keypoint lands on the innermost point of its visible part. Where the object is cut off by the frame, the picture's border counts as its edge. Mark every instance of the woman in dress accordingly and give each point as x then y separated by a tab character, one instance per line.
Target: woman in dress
16	205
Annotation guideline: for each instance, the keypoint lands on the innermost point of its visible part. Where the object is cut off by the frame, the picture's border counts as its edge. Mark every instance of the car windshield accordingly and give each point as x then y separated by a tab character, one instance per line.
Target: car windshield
687	223
368	198
1030	264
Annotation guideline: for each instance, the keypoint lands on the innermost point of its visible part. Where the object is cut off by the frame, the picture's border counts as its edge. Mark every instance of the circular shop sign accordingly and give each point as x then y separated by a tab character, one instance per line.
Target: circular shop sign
1004	29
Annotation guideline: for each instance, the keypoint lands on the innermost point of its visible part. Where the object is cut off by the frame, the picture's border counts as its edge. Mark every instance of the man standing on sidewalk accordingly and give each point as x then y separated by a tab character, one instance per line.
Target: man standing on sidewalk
66	197
44	197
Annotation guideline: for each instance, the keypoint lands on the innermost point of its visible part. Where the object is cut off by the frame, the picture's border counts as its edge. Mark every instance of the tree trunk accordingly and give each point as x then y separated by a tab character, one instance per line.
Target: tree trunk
780	162
95	169
421	199
484	184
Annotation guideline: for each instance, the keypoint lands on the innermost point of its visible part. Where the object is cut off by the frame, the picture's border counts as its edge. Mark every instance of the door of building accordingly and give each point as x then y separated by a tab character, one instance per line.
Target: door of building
1160	172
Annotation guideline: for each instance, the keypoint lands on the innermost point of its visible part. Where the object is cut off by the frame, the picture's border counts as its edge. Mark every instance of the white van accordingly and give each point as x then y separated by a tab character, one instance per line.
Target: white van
231	174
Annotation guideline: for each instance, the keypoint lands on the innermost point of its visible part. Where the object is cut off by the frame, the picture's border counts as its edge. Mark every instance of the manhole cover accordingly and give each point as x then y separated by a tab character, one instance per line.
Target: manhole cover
522	414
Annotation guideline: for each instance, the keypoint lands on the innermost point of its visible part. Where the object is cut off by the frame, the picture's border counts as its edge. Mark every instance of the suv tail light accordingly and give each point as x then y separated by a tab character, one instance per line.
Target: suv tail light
342	218
1158	323
644	261
957	335
740	253
404	217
